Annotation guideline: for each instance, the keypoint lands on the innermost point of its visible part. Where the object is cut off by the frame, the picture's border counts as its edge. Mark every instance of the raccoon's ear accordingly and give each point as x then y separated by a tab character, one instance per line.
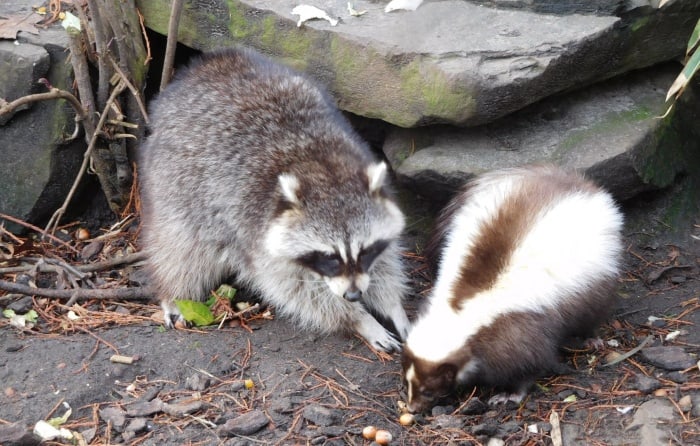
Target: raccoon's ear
375	175
289	185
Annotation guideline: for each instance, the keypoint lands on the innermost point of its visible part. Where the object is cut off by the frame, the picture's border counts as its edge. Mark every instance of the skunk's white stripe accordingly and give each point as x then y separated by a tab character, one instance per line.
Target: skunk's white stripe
573	243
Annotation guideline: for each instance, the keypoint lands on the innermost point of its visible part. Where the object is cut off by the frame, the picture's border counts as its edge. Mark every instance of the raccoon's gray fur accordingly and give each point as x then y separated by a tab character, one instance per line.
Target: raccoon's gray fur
252	171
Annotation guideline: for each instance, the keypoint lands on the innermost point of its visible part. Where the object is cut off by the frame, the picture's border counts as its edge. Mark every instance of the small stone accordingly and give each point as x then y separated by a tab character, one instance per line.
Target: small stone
197	382
91	250
321	416
283	405
321	439
668	357
442	410
695	402
448	421
677	377
333	431
88	434
677	280
246	424
646	384
22	305
685	403
508	428
115	416
182	409
136	425
17	434
495	442
486	429
145	409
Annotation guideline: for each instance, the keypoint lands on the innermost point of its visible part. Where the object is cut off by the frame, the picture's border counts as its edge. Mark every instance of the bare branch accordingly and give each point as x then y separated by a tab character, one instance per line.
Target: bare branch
88	268
53	93
171	45
39	230
79	294
56	217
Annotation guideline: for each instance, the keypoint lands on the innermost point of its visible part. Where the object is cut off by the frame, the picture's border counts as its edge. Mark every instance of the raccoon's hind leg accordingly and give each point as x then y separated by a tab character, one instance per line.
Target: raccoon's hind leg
187	272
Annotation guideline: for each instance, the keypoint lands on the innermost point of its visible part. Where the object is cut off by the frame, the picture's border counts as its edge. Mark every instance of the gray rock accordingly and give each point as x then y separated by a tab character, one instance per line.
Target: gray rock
114	416
646	384
321	416
180	409
445	421
197	382
508	427
677	377
16	434
136	425
668	357
144	409
487	429
695	401
284	405
450	61
29	63
246	424
651	420
40	162
610	131
21	305
441	410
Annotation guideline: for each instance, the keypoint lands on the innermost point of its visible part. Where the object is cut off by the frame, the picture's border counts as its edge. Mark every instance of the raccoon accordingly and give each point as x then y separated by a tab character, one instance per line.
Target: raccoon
251	171
529	259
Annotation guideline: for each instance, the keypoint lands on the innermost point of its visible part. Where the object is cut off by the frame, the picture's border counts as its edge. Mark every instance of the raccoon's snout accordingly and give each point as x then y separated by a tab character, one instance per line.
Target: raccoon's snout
353	294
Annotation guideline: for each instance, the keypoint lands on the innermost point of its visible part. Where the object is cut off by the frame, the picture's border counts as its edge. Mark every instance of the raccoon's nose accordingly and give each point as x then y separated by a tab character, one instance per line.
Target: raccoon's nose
353	294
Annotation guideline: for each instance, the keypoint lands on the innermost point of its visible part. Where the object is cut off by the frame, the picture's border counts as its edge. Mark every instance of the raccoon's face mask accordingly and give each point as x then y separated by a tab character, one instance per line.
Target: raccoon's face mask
340	234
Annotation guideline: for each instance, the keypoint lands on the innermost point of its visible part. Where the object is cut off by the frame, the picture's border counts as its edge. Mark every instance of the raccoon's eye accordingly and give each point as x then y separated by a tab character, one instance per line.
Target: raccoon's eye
328	265
369	254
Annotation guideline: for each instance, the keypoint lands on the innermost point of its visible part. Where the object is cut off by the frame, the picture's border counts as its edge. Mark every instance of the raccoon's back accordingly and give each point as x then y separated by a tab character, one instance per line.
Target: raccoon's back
227	127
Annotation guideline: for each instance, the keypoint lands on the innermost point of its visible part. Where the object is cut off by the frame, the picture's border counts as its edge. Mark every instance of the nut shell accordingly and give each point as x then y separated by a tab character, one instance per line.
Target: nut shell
369	432
383	437
406	419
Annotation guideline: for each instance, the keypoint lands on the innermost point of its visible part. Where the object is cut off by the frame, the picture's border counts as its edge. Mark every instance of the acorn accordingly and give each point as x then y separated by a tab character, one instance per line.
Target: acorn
82	234
383	437
369	432
406	419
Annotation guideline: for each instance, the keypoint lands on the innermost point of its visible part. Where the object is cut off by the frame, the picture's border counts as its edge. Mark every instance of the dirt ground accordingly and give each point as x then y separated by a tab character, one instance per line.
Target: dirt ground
192	386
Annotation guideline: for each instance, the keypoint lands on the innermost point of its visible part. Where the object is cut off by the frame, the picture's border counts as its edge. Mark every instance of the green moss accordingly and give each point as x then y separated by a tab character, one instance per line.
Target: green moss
434	92
611	123
238	26
639	23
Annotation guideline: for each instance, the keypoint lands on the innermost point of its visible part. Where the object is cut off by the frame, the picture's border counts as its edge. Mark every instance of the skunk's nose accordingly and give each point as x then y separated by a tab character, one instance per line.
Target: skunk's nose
353	294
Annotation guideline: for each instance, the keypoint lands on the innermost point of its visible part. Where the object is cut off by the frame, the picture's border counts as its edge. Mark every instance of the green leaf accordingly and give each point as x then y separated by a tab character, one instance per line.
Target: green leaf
31	316
682	80
8	313
225	291
694	39
195	312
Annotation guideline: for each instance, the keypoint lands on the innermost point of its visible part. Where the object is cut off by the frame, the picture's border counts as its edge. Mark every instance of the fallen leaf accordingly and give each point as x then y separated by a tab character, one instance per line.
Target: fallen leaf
10	26
409	5
308	12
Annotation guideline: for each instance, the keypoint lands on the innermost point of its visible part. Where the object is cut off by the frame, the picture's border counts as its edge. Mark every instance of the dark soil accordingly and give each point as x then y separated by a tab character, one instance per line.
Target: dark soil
324	390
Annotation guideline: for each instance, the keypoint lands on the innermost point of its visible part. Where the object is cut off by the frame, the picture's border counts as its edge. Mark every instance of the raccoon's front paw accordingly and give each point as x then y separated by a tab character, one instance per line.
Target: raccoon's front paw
172	317
504	398
377	336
